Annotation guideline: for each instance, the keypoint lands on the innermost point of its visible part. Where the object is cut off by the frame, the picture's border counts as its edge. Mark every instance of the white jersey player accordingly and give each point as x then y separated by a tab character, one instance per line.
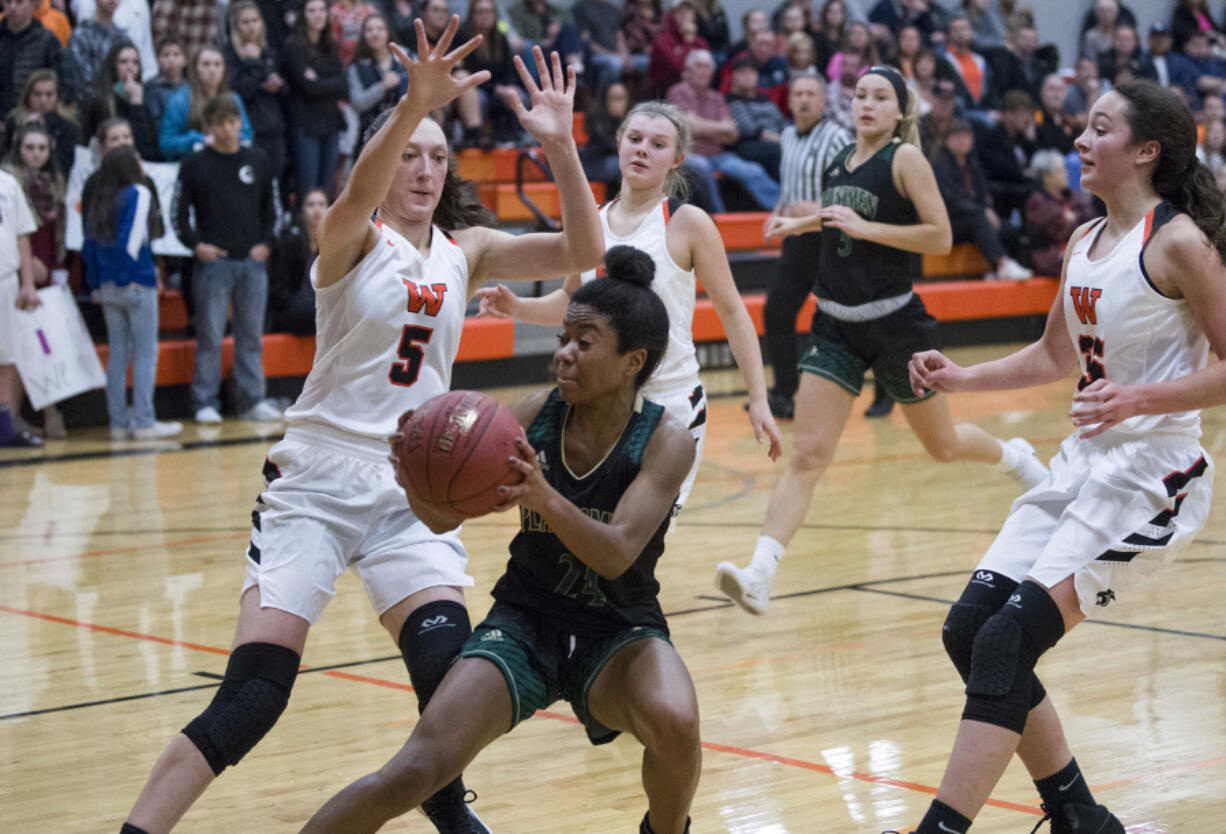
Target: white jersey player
1142	299
686	247
391	295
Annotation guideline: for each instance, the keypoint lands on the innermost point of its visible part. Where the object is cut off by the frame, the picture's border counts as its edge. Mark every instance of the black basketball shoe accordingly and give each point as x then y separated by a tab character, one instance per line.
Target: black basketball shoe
645	826
1075	818
450	813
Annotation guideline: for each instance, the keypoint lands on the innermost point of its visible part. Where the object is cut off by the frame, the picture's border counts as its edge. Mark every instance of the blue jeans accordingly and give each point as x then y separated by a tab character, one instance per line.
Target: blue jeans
751	175
216	286
131	314
314	161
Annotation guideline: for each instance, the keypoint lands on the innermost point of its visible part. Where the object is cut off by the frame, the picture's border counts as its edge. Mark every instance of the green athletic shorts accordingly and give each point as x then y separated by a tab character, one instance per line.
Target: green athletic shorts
543	664
842	351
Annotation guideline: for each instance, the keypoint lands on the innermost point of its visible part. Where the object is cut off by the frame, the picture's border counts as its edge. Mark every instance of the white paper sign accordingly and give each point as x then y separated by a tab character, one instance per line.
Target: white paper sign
163	174
56	356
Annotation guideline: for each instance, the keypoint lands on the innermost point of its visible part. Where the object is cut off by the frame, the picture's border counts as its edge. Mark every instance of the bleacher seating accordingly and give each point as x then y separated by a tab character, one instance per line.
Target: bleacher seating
487	339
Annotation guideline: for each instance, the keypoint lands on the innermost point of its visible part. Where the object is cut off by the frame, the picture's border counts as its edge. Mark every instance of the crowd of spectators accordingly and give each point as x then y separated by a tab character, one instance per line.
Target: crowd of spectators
306	79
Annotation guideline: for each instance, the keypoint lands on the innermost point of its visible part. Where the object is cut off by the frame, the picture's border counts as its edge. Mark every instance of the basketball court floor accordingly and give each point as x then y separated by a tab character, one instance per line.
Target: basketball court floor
120	567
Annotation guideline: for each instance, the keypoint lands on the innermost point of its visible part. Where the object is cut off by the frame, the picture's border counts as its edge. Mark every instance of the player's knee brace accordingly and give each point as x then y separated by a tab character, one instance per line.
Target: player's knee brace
1007	647
429	641
981	598
259	677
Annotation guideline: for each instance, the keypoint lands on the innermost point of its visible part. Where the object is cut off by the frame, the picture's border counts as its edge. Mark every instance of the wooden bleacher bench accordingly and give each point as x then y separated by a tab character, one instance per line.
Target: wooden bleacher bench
486	339
286	355
947	301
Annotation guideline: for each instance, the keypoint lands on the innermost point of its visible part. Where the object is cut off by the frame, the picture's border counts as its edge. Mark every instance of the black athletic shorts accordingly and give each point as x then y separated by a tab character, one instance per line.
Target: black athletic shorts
842	351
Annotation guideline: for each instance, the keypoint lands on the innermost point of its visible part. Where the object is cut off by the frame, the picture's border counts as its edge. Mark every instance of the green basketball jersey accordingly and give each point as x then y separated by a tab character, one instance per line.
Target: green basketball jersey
543	576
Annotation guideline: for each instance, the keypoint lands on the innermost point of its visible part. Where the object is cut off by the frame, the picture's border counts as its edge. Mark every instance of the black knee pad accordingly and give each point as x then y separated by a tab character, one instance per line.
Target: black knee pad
981	598
430	641
259	677
1005	652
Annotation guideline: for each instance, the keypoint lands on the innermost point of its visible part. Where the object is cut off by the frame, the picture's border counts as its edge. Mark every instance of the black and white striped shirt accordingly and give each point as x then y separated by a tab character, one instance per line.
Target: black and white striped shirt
806	157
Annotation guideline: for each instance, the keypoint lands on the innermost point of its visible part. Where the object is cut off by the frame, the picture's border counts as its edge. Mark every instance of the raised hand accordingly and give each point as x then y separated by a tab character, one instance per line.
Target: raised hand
553	100
431	83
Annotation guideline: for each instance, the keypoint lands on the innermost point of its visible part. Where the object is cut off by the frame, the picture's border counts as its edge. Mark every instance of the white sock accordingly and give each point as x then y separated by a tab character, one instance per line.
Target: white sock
766	555
1010	457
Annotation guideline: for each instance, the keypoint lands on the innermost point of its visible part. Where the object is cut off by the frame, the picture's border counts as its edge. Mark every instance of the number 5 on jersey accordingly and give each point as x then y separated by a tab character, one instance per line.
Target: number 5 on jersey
413	339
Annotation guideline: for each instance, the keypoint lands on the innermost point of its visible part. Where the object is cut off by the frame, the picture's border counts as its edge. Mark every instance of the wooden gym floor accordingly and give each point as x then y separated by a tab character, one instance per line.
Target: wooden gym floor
119	571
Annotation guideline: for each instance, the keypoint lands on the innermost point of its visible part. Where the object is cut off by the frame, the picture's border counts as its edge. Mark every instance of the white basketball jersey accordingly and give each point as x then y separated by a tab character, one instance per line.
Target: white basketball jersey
678	368
386	336
1127	332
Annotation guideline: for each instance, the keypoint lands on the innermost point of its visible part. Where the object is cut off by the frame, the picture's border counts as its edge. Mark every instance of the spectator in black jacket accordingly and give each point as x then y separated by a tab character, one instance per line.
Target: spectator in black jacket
759	122
1125	54
291	298
1154	63
1054	127
1004	151
493	54
376	79
317	82
229	188
118	91
25	45
252	65
965	192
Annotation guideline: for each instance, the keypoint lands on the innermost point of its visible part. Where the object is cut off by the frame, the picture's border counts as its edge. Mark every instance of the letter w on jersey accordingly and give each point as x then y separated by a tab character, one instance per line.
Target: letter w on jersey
1084	301
421	296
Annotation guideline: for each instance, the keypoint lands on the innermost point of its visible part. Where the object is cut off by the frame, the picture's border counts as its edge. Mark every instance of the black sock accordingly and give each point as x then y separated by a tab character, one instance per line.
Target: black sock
941	818
1067	785
429	641
129	828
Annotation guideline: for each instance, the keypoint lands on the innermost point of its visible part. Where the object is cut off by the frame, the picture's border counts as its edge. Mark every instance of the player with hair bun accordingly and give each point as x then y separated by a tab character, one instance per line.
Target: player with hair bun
391	295
1142	301
576	614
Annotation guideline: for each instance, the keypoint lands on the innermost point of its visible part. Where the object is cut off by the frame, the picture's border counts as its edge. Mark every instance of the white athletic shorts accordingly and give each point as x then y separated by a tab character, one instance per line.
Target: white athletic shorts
690	407
331	502
9	285
1108	514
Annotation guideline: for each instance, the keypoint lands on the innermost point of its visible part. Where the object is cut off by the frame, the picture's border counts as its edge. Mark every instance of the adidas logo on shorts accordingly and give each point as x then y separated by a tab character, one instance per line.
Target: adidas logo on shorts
492	634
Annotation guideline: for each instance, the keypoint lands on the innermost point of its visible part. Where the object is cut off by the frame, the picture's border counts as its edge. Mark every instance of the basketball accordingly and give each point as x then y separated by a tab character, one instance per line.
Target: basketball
454	451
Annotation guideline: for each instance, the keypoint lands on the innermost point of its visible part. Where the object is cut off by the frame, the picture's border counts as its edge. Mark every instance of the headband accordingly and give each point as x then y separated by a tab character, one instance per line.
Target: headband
895	79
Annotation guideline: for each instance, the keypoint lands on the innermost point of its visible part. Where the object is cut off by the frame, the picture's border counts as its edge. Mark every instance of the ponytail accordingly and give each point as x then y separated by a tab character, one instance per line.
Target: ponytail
1155	114
907	129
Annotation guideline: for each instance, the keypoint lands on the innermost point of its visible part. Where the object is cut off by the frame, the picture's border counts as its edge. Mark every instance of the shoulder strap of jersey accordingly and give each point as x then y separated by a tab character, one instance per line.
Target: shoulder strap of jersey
670	208
1158	217
545	424
642	425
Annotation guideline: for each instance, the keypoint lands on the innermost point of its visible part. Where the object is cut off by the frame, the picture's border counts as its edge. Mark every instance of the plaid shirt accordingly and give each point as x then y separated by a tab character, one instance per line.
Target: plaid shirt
192	22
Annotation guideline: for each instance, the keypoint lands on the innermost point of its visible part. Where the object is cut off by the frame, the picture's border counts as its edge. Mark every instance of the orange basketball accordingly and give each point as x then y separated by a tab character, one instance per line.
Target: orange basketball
454	451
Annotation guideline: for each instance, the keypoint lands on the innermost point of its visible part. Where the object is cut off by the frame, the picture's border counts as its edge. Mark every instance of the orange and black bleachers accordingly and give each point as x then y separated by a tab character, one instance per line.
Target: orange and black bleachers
952	289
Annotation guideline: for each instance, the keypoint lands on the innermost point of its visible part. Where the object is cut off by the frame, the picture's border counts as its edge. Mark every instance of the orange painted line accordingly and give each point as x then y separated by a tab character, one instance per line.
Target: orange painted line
112	551
707	745
116	631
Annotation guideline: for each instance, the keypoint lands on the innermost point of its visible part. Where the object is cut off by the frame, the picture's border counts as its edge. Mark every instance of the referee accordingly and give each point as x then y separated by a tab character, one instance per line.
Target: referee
809	145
